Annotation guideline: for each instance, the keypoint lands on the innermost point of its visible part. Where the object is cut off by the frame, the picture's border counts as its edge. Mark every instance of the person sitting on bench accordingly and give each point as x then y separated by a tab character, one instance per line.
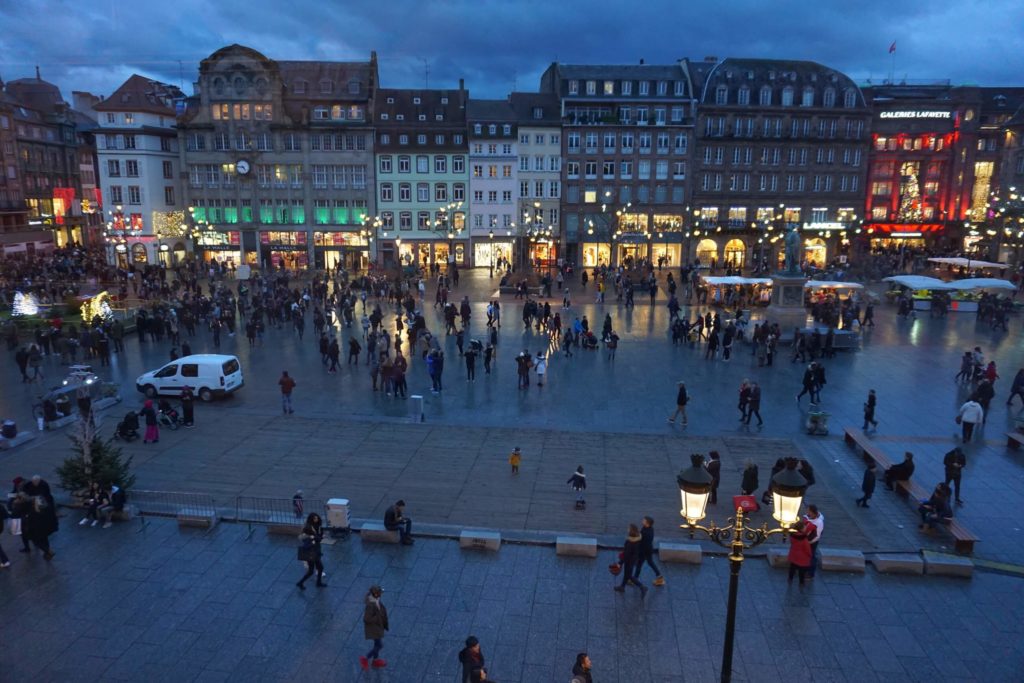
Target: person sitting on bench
936	509
118	498
900	472
394	520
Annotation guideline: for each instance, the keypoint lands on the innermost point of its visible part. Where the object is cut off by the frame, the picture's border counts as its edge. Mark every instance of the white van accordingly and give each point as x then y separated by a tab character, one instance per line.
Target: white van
208	374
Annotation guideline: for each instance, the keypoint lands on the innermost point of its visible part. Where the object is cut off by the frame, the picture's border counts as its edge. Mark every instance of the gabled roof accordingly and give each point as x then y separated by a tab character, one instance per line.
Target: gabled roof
490	110
755	73
340	75
620	71
144	95
524	104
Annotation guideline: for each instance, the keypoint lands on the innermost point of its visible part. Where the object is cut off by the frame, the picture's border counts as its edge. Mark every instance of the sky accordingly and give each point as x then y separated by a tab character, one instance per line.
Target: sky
498	46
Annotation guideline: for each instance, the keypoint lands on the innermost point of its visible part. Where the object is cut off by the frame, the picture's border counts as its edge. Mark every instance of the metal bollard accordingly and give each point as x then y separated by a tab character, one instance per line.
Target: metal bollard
416	408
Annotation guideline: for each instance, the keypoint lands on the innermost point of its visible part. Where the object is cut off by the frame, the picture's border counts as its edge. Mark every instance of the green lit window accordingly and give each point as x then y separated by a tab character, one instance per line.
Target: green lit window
298	215
266	214
199	213
341	215
358	214
247	214
322	215
230	214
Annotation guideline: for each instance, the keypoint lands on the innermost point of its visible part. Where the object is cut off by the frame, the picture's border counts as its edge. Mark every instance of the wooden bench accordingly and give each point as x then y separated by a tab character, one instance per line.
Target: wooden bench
910	490
1014	440
375	531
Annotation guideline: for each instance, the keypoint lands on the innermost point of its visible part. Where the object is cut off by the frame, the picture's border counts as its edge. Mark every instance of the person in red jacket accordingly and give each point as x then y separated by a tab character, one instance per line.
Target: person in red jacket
800	553
287	384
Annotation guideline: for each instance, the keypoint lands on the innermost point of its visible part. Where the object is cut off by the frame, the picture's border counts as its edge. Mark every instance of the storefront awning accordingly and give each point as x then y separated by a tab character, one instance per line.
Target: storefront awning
917	282
981	283
714	280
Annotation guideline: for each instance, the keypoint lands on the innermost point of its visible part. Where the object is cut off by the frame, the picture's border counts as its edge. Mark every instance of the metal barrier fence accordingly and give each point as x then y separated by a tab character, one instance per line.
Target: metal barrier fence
277	512
171	504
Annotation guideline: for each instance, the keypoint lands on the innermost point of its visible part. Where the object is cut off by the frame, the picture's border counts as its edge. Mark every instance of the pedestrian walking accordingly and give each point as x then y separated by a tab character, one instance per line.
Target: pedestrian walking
514	459
581	668
612	344
808	382
1017	388
310	551
287	384
969	415
682	398
869	411
471	658
375	625
578	482
148	412
541	366
630	560
744	401
800	553
867	485
647	551
714	468
754	405
749	483
470	357
954	463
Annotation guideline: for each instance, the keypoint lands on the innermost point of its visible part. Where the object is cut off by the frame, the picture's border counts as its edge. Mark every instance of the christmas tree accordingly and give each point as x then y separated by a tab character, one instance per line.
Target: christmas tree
910	194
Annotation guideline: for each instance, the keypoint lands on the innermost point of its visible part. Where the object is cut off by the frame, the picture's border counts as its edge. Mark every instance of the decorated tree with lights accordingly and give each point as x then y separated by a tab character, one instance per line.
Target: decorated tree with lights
910	194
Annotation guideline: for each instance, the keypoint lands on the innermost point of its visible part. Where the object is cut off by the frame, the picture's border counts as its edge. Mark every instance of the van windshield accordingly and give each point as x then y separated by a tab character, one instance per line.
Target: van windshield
230	367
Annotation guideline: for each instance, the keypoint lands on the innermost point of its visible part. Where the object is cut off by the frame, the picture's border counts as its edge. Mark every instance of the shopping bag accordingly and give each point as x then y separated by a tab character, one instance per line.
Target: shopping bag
747	503
14	526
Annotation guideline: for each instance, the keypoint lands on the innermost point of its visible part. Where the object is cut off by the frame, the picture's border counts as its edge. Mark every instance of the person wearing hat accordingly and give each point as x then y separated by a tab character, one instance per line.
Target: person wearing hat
375	624
514	459
471	658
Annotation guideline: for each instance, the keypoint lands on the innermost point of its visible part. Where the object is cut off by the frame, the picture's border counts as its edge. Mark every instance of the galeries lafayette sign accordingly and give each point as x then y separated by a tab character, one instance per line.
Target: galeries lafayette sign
911	114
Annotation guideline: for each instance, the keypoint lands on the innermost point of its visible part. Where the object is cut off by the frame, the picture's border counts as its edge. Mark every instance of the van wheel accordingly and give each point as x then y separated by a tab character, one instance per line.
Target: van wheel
149	390
205	395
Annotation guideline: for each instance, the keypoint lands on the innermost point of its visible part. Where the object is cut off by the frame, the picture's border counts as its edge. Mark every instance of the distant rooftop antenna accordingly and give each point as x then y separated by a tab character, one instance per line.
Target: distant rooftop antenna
426	73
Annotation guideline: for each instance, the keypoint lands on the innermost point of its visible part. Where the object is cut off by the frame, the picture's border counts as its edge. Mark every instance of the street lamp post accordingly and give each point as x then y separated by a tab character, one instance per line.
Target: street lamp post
490	242
788	487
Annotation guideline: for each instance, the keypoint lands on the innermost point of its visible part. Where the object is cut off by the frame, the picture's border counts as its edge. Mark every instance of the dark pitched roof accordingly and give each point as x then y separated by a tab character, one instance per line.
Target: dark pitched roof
35	93
141	94
490	110
350	80
524	104
410	104
798	74
626	72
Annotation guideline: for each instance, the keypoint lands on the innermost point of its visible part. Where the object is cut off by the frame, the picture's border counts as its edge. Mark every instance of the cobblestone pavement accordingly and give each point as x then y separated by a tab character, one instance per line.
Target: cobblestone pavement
216	606
186	605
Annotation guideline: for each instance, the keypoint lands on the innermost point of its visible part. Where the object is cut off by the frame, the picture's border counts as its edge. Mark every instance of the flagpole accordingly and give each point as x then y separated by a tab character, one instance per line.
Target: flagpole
892	63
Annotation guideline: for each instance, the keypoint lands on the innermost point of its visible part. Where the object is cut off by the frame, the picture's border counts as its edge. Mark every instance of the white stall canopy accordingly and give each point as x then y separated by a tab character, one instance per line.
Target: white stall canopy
966	262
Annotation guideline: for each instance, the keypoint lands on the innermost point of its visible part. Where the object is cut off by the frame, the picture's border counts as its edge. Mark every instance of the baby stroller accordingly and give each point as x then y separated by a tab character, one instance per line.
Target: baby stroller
167	416
589	340
128	428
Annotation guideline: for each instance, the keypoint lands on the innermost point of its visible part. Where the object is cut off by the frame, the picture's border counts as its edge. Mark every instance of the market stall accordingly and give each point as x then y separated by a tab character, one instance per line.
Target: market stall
924	290
724	290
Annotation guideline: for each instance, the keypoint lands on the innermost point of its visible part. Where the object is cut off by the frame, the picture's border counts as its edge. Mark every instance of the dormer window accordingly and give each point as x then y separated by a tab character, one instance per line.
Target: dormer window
662	87
538	112
807	99
787	96
609	87
506	129
384	117
743	95
325	87
422	117
391	100
321	114
477	129
415	100
645	88
849	99
399	117
591	87
627	87
721	95
829	98
299	87
765	98
444	100
679	89
574	87
353	87
439	117
492	129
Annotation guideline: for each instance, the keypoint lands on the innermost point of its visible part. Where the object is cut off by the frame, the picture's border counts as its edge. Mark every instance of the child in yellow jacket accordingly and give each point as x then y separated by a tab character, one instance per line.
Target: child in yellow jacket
514	459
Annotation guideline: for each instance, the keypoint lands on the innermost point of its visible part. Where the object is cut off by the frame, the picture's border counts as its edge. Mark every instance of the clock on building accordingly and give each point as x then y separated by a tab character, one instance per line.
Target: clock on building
242	167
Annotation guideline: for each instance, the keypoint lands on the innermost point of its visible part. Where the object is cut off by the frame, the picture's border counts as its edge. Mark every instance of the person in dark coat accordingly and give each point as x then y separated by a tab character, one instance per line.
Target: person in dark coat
471	658
808	382
630	560
754	404
311	536
954	464
188	407
749	483
869	411
900	471
714	468
867	486
38	521
647	552
578	482
375	625
581	669
395	520
766	497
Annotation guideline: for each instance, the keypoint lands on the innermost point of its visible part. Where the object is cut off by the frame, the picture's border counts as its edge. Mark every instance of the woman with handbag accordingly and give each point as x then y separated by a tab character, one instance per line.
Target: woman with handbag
309	550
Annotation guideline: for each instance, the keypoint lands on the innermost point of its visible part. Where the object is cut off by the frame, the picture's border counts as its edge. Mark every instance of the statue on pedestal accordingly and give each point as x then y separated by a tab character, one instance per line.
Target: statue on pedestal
792	252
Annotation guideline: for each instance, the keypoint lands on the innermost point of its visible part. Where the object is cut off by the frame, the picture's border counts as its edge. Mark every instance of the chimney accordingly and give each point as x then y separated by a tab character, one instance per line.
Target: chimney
641	61
462	84
38	77
711	59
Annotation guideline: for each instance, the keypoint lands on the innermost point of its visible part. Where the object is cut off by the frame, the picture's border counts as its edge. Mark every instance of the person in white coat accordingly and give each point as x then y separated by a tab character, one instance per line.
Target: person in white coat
971	413
541	366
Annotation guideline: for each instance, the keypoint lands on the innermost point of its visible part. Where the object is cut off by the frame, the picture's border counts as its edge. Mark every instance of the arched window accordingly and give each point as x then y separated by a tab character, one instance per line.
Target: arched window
849	98
765	98
807	99
139	253
735	253
721	95
829	98
743	95
707	250
787	96
239	84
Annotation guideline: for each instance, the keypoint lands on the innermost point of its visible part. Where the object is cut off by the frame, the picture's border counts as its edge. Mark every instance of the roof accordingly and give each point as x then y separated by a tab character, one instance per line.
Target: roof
340	74
490	110
35	93
141	94
410	104
620	71
524	104
756	73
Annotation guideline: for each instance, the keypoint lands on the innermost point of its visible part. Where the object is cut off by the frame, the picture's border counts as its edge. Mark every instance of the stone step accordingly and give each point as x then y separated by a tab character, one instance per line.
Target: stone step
937	564
686	553
482	540
580	546
375	532
840	560
898	563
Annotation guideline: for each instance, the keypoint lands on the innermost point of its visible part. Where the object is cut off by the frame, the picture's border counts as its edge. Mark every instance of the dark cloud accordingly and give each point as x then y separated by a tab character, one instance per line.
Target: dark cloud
95	44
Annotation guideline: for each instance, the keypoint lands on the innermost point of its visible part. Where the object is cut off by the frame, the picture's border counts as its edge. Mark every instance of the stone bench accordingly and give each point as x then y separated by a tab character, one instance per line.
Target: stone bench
20	438
686	553
482	540
375	531
1014	440
579	546
837	560
778	558
197	517
947	565
899	563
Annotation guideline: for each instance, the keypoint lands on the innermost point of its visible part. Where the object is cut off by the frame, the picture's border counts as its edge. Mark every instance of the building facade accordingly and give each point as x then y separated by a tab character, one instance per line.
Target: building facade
780	145
539	178
626	139
277	158
139	171
46	144
422	176
495	222
15	233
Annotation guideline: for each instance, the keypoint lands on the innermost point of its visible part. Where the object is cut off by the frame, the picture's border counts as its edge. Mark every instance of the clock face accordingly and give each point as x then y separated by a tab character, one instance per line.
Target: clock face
242	167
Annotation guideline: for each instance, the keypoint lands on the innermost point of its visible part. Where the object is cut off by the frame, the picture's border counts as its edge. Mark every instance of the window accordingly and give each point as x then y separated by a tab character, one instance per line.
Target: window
458	192
165	144
765	96
422	164
829	98
591	87
423	220
405	220
134	194
807	100
196	142
743	95
849	99
643	170
492	129
679	170
661	170
386	189
404	164
645	143
662	88
679	144
524	139
404	192
627	143
626	170
721	95
608	170
440	192
645	88
169	196
385	164
440	164
524	189
572	169
422	192
573	142
458	164
524	163
627	87
168	170
115	194
787	96
506	169
113	168
129	142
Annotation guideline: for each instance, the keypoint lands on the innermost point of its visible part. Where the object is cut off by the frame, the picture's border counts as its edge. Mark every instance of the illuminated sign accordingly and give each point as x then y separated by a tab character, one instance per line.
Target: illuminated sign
905	227
824	226
912	114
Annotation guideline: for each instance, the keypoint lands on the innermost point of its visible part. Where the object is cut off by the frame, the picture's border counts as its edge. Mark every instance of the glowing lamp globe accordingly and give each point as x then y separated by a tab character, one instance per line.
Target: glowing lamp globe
694	489
788	487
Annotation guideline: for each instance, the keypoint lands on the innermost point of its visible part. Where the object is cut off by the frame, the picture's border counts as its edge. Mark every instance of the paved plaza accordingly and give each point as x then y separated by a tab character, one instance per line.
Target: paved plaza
223	607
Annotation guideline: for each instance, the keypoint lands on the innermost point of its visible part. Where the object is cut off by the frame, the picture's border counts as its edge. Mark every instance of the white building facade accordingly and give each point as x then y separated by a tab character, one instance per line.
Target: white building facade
493	183
539	176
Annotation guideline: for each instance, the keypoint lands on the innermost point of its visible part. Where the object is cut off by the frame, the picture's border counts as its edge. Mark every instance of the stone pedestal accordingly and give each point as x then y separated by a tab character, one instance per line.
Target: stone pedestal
787	306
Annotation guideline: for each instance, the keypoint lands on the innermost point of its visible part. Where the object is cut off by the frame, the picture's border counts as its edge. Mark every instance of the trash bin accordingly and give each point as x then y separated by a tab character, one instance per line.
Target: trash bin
416	408
337	513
